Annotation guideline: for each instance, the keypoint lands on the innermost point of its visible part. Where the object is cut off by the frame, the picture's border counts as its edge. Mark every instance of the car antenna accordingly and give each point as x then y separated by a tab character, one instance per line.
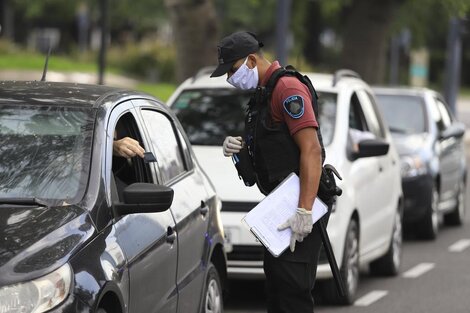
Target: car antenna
43	78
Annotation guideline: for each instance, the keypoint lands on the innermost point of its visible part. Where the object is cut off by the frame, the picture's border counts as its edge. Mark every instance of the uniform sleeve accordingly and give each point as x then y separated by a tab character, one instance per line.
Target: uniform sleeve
292	104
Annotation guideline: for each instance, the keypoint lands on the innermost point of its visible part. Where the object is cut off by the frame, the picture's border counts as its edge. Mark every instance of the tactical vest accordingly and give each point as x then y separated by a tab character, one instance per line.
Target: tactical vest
273	152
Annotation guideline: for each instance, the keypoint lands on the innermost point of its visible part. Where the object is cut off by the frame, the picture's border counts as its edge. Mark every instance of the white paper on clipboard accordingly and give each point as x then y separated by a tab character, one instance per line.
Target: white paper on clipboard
274	210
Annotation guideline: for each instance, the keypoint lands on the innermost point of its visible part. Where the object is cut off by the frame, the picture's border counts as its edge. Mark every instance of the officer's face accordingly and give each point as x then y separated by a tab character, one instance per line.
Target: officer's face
251	63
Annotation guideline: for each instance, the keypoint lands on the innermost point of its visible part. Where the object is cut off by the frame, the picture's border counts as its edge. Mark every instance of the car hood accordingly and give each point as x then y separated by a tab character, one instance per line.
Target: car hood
409	144
224	176
36	240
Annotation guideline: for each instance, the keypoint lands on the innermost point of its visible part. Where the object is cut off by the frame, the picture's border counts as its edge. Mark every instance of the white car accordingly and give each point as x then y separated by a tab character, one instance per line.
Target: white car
366	224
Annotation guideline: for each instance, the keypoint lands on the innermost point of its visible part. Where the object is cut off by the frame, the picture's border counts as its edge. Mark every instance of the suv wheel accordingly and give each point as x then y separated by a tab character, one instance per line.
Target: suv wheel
349	269
389	264
212	301
456	217
429	227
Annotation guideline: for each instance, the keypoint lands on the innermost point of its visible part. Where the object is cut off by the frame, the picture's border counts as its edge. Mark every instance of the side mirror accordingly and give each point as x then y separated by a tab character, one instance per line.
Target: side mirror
145	198
370	148
455	130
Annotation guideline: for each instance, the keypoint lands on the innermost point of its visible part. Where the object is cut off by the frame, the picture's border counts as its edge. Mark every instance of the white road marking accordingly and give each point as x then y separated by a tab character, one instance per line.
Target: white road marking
418	270
460	245
370	298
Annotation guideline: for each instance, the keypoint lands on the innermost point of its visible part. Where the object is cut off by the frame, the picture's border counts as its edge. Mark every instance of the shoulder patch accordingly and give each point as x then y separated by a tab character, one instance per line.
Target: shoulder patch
294	106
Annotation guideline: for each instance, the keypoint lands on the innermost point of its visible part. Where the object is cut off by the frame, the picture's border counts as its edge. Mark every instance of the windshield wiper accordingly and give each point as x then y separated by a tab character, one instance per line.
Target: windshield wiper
23	201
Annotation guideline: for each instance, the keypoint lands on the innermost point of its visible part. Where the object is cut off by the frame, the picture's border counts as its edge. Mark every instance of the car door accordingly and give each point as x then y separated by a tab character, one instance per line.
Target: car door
388	181
189	205
147	240
365	178
451	154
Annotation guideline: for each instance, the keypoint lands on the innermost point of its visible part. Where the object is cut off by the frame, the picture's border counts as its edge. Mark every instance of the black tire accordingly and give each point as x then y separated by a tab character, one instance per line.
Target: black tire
428	228
212	301
101	310
349	270
457	216
389	264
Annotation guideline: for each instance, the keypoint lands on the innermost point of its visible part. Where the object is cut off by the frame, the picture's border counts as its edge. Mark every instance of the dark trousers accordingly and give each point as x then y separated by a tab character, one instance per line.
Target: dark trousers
290	277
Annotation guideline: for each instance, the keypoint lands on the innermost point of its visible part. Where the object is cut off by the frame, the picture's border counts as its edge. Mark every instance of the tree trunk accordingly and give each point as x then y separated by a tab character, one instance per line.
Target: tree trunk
196	34
365	38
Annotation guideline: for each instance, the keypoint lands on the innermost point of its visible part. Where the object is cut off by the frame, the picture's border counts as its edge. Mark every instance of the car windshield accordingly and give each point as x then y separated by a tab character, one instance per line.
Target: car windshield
209	115
403	114
44	152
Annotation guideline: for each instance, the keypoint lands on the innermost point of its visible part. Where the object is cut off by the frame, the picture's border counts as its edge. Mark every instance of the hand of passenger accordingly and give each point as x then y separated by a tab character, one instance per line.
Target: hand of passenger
301	225
232	145
127	148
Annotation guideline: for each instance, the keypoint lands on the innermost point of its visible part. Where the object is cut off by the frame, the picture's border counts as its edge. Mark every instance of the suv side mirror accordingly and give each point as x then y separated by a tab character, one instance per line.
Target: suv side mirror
455	130
370	148
145	198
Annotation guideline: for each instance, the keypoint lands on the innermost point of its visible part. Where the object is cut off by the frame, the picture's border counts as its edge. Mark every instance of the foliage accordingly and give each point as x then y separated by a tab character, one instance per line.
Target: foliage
150	60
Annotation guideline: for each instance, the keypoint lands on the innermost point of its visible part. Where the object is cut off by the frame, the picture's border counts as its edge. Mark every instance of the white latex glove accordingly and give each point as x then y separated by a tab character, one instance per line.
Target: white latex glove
232	145
300	224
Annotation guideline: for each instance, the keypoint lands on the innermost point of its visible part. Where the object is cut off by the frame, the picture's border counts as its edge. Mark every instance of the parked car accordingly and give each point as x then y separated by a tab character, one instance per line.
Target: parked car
429	140
83	231
365	227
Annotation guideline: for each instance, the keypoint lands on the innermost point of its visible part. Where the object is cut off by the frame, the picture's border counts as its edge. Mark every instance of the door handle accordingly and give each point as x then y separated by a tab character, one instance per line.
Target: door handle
170	235
204	209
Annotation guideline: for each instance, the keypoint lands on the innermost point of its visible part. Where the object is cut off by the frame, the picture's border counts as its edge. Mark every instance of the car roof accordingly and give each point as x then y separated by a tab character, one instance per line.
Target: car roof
321	81
402	90
57	93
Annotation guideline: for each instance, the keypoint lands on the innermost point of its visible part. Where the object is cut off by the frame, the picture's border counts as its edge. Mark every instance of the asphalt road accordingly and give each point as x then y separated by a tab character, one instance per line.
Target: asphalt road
434	278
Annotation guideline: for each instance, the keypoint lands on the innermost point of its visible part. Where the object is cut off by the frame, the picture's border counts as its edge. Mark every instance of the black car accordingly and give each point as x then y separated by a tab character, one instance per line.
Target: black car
83	231
430	142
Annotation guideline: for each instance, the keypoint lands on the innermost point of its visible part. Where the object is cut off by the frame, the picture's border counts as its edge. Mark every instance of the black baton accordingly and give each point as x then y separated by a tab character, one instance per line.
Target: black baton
331	258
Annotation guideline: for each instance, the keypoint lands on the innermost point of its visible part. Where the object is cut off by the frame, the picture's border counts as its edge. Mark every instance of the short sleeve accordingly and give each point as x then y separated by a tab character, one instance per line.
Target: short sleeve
291	103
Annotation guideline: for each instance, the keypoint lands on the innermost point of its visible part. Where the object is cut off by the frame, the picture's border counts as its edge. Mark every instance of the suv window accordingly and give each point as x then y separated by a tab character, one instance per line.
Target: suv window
327	105
209	115
164	144
371	114
356	115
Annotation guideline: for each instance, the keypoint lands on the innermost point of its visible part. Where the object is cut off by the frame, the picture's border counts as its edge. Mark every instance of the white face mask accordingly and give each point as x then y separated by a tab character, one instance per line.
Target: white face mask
244	78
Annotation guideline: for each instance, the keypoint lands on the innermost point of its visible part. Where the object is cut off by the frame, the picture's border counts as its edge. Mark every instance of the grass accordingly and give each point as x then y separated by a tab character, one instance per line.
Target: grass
35	62
465	91
161	91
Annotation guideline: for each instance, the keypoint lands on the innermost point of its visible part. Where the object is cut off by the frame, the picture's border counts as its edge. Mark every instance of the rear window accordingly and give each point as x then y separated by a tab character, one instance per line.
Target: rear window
403	114
44	152
209	115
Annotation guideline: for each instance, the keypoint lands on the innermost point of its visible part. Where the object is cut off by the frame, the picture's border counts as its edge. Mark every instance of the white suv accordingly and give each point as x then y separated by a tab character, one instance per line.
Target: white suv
366	224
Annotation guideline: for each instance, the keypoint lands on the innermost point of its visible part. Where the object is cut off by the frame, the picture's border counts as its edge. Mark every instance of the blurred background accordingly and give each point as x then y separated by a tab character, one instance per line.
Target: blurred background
153	45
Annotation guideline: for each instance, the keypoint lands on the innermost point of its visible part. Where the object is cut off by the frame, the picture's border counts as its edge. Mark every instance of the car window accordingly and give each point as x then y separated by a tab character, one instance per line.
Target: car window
445	114
209	115
371	114
165	144
133	170
45	152
403	114
327	104
356	115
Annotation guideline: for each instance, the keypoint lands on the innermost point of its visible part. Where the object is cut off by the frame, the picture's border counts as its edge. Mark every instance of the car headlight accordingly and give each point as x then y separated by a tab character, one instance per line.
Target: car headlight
412	166
38	295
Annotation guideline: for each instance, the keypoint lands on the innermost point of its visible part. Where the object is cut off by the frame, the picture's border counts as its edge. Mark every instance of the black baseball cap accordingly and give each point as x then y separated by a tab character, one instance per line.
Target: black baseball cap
234	47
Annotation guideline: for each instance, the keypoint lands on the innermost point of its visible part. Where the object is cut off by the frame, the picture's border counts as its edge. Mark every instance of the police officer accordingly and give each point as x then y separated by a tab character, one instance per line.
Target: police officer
281	137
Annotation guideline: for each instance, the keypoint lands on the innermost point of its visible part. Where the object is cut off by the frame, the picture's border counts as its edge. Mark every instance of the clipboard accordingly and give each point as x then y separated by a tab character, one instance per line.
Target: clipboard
274	210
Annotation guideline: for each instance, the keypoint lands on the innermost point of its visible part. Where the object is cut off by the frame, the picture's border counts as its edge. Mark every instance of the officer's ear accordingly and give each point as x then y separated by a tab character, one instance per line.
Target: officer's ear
251	62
